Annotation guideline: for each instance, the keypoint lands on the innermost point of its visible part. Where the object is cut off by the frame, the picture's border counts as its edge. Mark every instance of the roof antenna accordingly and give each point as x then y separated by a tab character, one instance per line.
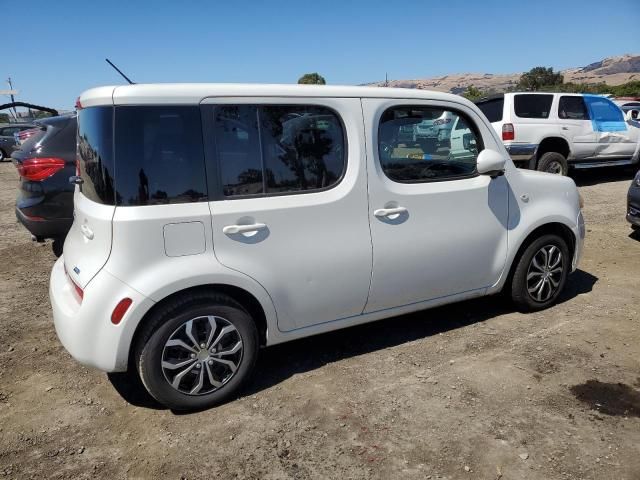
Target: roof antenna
118	70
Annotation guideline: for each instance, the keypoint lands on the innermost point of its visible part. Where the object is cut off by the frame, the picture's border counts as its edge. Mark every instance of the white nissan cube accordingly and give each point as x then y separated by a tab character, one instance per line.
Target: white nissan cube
212	220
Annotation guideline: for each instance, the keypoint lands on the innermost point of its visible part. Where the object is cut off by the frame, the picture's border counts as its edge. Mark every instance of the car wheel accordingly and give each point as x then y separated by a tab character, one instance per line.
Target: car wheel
553	162
57	246
197	351
3	155
541	273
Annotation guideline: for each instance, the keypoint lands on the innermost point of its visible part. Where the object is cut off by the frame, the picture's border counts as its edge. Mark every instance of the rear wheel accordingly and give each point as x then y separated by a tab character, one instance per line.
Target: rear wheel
197	351
57	245
553	162
541	273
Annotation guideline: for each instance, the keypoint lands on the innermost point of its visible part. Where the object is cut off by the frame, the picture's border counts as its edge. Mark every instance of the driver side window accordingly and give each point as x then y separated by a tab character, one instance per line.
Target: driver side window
419	144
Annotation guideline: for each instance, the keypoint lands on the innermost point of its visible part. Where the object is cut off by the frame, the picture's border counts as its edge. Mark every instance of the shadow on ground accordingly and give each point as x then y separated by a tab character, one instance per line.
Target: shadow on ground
280	362
584	178
616	399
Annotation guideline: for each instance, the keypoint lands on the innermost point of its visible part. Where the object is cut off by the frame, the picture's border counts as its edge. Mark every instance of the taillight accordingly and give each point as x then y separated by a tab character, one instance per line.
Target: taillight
37	169
508	133
120	310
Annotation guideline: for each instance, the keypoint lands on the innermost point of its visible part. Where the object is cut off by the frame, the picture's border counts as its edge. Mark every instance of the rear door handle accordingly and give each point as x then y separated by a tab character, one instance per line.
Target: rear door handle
565	128
233	229
86	231
388	212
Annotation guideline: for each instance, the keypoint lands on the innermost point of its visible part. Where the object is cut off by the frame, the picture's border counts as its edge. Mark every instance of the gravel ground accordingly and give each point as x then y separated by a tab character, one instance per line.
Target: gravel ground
472	390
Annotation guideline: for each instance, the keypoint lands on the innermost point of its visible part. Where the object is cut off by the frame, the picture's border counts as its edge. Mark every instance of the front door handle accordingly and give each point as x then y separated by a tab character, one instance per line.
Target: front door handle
233	229
565	128
389	212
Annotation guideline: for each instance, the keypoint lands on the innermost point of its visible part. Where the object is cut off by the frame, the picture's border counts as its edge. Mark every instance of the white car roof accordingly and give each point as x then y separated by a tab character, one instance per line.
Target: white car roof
194	93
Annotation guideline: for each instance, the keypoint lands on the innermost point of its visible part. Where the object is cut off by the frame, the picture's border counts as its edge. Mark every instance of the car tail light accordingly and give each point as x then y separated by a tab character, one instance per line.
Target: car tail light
508	133
37	169
23	135
120	310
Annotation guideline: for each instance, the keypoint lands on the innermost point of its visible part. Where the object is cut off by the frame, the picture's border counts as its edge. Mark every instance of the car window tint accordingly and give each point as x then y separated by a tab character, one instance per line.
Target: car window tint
492	109
415	144
238	149
95	154
302	147
572	108
532	106
159	155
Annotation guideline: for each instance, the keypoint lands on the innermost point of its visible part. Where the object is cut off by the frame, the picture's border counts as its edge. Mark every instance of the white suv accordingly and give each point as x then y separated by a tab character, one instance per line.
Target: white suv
552	131
211	220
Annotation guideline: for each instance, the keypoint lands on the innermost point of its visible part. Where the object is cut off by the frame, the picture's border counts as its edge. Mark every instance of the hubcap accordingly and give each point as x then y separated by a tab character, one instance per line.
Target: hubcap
554	167
544	273
201	355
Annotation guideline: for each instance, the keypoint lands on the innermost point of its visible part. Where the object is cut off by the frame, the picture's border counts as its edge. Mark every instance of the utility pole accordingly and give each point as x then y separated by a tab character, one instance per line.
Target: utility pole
15	112
386	79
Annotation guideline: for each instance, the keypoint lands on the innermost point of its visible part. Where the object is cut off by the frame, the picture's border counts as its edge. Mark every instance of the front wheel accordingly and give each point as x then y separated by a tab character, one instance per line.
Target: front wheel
553	162
197	351
541	273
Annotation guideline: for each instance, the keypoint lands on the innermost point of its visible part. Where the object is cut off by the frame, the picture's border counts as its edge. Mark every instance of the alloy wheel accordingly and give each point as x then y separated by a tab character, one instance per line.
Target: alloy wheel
544	273
202	355
554	167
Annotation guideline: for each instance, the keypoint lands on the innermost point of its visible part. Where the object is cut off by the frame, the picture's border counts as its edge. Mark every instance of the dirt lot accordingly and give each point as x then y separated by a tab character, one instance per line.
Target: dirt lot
472	390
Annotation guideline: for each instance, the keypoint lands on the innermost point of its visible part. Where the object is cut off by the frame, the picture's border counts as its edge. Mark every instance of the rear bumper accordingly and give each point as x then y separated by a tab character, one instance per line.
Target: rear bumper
84	327
520	152
44	227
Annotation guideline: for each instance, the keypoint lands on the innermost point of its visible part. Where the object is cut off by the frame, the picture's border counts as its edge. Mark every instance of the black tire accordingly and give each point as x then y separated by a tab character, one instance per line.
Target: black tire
553	162
3	155
520	295
57	246
164	322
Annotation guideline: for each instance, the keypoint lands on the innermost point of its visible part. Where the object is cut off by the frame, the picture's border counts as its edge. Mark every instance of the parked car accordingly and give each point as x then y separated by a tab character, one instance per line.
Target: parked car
210	220
45	161
7	138
633	203
552	131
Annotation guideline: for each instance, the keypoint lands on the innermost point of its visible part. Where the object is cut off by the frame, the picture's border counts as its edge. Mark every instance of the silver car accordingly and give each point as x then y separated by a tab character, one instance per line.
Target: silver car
7	137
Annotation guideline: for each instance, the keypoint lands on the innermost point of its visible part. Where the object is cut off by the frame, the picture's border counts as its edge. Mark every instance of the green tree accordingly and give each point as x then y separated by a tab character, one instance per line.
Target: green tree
538	78
312	79
472	93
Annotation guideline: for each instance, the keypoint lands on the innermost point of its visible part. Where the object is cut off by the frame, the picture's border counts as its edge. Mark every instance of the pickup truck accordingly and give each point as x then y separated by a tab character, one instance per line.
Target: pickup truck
551	132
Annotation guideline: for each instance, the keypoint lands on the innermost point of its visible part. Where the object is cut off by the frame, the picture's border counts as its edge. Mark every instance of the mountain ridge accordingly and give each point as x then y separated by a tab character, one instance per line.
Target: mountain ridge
614	70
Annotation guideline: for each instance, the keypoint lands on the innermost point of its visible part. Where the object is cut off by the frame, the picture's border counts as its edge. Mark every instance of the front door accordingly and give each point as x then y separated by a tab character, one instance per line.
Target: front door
438	228
615	139
291	211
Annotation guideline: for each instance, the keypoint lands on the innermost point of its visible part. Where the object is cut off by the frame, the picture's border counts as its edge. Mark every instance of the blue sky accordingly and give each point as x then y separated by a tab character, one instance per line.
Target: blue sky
53	50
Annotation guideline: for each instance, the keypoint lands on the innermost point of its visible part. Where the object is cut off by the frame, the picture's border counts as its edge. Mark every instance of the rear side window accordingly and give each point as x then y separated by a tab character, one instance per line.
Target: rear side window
159	154
275	149
492	109
95	154
532	106
572	108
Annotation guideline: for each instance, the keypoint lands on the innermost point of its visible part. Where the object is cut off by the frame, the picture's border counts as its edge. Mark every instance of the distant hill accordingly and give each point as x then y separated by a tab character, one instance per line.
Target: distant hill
611	70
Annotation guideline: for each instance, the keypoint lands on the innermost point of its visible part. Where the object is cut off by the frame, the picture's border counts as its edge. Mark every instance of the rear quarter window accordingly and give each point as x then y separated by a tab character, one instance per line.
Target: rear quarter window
532	106
159	155
492	109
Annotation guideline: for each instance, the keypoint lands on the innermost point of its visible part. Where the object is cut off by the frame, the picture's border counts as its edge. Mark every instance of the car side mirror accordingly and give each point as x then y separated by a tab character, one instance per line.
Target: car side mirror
491	163
632	115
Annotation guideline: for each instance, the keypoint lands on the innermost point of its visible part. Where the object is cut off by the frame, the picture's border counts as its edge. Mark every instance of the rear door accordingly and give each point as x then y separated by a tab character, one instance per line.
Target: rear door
88	243
291	206
575	124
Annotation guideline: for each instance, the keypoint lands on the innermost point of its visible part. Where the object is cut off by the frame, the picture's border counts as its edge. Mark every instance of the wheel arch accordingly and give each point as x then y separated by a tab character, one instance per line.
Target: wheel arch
554	227
553	144
240	295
